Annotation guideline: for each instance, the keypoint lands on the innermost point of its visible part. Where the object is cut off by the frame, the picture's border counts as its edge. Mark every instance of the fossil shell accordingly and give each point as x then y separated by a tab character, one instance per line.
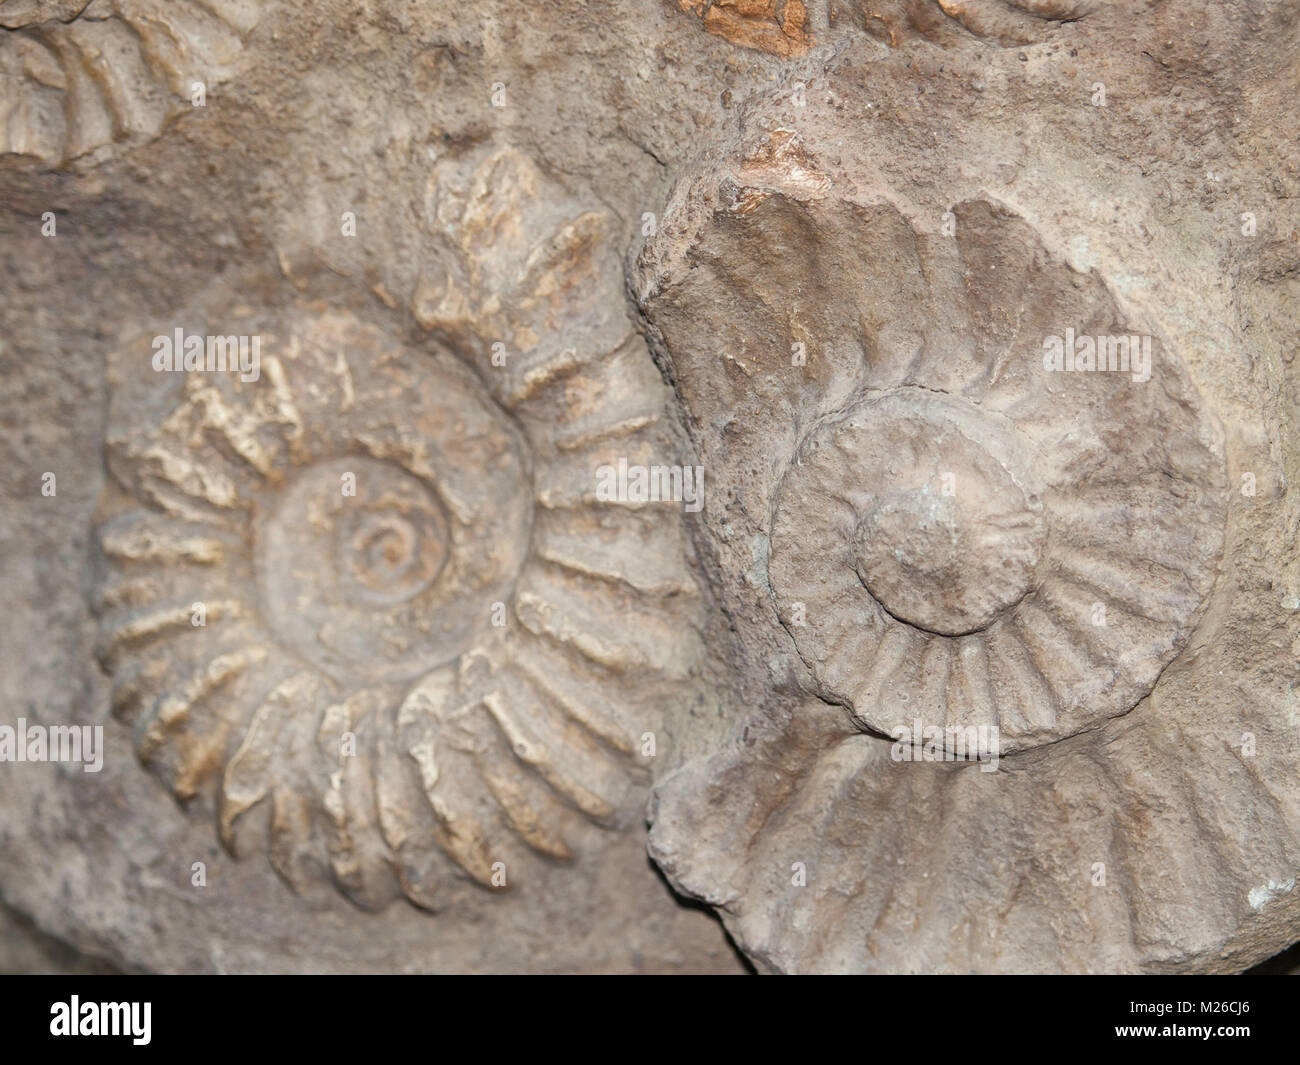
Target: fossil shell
410	680
1005	22
1015	21
952	533
85	74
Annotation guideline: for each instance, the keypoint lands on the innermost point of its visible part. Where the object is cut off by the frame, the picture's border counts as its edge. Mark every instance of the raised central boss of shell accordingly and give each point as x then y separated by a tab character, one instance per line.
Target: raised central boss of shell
951	543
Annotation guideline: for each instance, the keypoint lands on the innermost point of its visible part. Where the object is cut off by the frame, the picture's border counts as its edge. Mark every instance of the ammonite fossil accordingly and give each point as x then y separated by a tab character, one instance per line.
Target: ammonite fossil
80	74
348	594
415	603
980	492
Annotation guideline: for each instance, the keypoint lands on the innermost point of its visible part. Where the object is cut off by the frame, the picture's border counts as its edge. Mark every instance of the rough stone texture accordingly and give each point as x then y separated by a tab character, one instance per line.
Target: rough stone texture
83	74
775	26
978	601
814	248
377	608
921	252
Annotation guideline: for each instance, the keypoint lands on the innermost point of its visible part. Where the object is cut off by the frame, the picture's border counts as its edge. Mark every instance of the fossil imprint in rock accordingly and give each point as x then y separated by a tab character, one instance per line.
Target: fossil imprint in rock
408	675
1004	22
414	607
957	534
973	561
781	27
84	73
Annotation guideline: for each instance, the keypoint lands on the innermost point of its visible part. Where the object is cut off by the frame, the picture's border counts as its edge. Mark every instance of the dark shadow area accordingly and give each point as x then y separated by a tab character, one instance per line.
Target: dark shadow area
689	903
26	950
1285	964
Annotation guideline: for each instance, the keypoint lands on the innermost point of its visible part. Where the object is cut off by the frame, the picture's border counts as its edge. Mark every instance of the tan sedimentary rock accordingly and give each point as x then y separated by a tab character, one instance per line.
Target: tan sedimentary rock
935	531
84	74
414	606
370	631
1002	22
389	682
952	544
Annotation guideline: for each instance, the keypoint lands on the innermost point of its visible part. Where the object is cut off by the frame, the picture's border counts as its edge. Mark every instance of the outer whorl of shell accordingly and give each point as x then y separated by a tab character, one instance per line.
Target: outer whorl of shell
1005	22
406	682
951	532
84	73
1015	21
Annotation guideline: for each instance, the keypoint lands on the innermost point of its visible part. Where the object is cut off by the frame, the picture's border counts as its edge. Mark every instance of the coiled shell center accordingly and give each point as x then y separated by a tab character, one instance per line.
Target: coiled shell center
948	541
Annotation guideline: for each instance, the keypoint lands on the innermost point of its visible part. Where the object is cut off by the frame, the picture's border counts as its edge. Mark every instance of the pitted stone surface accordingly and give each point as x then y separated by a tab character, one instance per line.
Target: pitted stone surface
369	647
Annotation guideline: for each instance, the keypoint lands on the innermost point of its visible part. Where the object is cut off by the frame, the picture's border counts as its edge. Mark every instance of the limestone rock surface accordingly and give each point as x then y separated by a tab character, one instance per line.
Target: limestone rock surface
977	319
